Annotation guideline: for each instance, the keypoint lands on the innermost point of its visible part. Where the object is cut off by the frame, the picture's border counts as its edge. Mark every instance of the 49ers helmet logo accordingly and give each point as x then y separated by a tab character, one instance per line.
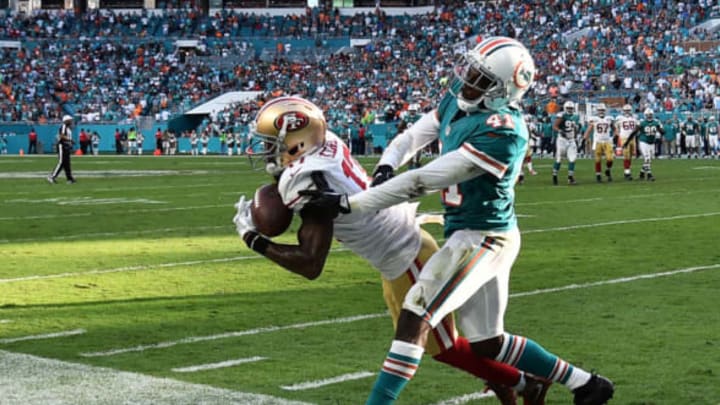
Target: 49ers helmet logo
295	121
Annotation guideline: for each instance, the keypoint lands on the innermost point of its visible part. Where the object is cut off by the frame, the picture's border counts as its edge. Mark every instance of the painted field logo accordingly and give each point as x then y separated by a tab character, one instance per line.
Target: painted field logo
295	121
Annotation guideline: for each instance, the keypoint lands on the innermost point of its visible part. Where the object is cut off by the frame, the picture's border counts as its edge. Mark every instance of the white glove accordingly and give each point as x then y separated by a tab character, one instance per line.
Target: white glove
243	220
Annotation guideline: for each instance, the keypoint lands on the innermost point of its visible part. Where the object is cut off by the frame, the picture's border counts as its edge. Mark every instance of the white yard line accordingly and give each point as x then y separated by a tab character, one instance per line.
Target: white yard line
27	379
463	399
238	258
328	381
249	332
5	321
268	329
31	217
119	233
222	364
43	336
623	222
167	209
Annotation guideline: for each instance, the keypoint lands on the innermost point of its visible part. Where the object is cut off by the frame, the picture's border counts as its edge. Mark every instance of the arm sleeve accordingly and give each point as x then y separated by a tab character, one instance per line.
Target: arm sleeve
452	168
406	144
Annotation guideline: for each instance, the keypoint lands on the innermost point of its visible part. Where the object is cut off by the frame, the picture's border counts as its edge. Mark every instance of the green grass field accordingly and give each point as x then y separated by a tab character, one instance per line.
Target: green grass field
137	268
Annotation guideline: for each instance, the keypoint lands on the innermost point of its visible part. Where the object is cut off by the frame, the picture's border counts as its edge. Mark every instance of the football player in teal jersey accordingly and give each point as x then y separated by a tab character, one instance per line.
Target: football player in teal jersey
648	132
484	137
567	126
712	131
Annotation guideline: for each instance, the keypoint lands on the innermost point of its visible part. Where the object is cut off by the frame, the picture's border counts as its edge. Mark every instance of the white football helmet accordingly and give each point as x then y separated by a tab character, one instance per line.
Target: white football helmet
413	109
601	110
627	110
495	73
649	113
284	130
569	107
711	118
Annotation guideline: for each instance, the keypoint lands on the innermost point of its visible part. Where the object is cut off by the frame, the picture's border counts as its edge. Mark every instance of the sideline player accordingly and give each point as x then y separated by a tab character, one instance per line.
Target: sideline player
600	127
567	126
625	124
480	125
303	154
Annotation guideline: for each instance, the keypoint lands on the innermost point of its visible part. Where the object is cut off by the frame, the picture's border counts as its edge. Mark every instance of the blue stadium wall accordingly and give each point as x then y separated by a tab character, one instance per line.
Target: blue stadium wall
46	135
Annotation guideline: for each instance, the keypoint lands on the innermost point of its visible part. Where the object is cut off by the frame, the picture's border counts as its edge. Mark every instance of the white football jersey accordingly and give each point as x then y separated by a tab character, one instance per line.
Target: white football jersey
389	239
626	125
601	128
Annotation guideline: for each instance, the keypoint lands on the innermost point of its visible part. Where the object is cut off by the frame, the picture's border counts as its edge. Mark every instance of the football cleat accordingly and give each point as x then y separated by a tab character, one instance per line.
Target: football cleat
642	175
650	177
51	180
72	181
598	178
535	390
628	177
555	180
608	175
571	181
504	394
597	391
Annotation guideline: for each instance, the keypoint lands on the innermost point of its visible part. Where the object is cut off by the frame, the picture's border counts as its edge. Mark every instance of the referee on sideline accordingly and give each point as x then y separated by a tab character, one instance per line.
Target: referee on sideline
64	149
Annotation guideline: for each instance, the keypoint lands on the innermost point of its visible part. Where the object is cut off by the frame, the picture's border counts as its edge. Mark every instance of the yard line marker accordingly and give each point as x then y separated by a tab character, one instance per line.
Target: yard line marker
261	330
254	257
97	234
249	332
222	364
28	379
463	399
134	211
328	381
616	280
623	222
44	336
5	321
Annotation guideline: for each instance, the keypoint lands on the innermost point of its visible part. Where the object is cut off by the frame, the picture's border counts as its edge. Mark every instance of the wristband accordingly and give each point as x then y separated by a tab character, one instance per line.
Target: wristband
256	242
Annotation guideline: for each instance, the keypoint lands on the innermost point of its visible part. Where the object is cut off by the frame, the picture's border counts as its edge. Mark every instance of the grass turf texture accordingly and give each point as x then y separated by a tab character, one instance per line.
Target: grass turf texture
153	257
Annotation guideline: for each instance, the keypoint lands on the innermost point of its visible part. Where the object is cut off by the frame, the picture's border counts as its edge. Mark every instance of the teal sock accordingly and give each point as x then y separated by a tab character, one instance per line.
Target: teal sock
398	369
527	355
556	167
571	167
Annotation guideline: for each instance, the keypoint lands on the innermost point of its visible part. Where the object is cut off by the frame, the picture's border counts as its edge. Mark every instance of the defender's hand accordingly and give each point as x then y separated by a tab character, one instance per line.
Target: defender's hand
243	220
382	174
330	201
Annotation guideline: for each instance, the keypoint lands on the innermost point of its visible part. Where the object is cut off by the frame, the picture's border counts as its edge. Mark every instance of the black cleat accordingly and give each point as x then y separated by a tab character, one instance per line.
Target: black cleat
71	181
650	177
571	181
555	180
51	180
597	391
642	175
521	179
628	177
608	175
598	178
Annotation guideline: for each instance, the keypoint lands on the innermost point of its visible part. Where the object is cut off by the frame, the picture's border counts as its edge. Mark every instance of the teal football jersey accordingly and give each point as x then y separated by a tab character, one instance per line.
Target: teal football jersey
496	141
649	130
569	125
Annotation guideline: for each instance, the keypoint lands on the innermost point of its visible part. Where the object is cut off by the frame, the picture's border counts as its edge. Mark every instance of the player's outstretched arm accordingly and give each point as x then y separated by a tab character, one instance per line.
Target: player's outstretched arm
452	168
404	146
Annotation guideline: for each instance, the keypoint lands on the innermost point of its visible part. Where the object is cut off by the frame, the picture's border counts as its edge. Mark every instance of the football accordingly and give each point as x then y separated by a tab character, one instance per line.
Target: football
269	214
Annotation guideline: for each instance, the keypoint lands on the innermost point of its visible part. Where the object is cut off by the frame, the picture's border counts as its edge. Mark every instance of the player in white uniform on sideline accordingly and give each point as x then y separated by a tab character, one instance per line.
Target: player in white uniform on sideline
304	155
625	124
600	127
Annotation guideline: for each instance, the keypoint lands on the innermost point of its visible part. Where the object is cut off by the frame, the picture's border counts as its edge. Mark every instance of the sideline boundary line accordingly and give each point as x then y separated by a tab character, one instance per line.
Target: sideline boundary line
44	336
256	331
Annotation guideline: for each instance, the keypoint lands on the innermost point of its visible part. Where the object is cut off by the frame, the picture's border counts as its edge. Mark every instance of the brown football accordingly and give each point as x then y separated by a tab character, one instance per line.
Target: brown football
269	214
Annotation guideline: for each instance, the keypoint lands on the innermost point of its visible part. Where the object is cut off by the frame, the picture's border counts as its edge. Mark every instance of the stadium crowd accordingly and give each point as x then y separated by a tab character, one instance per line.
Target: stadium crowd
108	66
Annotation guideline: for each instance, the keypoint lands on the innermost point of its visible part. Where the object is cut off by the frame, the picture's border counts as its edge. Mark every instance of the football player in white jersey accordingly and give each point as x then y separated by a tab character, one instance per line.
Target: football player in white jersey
302	154
625	124
600	127
712	130
567	126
